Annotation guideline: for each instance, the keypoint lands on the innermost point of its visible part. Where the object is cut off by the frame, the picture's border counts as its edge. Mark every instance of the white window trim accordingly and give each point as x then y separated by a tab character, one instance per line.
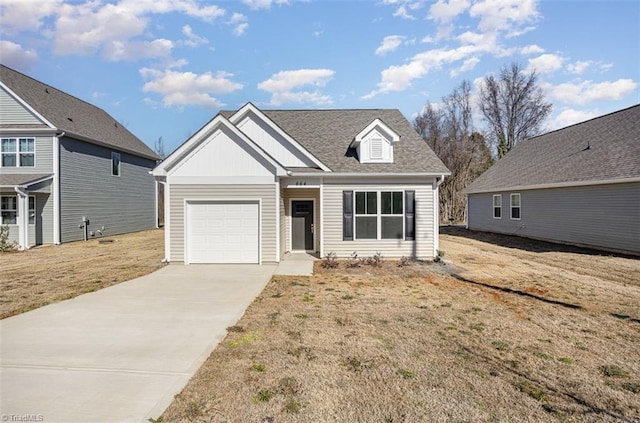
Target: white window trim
379	215
511	206
18	152
494	207
113	153
35	208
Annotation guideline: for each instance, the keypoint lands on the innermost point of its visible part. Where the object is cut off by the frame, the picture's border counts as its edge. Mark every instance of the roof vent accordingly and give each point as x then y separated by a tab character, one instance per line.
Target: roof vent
115	124
69	119
46	90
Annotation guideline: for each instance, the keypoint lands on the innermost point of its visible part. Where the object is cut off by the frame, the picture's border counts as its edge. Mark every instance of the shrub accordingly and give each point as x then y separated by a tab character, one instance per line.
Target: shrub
5	245
375	260
354	261
330	261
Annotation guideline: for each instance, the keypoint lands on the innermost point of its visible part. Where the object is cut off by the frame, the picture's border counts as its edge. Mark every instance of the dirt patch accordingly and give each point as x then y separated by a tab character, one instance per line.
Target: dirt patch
415	343
47	274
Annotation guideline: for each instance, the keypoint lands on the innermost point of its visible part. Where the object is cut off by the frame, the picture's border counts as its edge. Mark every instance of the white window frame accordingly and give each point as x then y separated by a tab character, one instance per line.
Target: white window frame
114	154
18	152
498	207
31	211
378	215
512	207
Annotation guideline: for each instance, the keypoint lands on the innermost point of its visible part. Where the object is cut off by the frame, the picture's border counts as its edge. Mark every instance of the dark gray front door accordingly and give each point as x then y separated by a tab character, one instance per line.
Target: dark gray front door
302	225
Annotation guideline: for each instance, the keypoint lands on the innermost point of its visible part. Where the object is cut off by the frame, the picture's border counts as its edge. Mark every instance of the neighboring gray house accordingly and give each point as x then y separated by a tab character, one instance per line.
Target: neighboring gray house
578	185
252	185
68	169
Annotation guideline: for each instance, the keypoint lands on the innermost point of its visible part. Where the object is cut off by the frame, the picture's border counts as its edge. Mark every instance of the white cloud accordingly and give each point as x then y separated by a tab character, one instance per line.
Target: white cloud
531	49
545	63
115	28
389	44
13	55
399	78
263	4
467	65
444	12
570	116
504	15
193	40
135	50
21	15
401	12
588	91
187	88
291	86
239	23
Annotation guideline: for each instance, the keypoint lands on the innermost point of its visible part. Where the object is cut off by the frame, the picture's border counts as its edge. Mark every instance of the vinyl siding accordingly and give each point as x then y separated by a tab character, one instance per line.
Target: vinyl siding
303	193
121	204
267	193
12	112
44	155
421	248
602	216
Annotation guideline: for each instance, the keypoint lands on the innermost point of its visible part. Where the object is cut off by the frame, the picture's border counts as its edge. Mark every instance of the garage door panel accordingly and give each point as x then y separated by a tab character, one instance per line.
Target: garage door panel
225	232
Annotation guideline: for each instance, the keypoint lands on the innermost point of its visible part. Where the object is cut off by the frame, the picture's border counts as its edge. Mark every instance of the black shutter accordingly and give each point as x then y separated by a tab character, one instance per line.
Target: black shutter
410	215
347	215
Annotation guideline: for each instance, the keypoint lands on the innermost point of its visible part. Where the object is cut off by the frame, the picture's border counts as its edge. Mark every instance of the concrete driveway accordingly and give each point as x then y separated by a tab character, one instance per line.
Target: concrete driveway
121	354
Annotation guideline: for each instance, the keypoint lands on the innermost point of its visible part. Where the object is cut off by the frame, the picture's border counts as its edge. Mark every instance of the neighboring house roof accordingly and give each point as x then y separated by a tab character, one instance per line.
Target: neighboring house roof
22	179
328	134
72	115
600	150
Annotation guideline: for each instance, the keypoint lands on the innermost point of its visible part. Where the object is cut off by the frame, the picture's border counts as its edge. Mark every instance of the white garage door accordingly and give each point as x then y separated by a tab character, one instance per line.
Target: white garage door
223	232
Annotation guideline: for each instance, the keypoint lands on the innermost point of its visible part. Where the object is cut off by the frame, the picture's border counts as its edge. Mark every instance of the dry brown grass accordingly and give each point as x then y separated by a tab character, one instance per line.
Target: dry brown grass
550	336
47	274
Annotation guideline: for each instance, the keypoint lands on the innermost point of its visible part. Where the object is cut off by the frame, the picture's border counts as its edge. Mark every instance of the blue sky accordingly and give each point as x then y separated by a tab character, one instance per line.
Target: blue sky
165	67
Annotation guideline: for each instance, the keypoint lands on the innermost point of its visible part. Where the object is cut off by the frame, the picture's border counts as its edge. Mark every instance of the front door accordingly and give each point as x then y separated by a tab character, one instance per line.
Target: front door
302	225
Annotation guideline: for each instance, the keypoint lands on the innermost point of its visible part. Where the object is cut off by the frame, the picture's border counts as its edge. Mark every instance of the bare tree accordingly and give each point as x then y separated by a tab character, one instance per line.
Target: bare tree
449	131
513	105
159	148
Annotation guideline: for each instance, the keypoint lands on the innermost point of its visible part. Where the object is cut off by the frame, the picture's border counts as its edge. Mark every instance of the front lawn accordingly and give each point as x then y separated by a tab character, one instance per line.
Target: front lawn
500	334
47	274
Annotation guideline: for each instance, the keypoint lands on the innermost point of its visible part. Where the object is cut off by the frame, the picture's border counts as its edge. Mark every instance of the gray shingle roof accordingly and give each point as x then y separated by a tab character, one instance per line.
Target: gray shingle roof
73	115
600	149
22	179
327	135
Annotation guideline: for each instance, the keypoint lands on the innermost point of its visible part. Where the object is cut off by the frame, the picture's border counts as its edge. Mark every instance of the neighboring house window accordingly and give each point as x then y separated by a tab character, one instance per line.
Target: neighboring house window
9	210
17	152
115	164
497	206
32	210
515	206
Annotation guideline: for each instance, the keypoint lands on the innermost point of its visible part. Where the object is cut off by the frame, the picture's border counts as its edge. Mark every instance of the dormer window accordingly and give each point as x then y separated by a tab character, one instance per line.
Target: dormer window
374	143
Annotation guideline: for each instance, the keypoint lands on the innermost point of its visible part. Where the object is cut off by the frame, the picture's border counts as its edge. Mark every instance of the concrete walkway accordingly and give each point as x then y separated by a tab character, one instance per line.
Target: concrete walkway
296	264
120	354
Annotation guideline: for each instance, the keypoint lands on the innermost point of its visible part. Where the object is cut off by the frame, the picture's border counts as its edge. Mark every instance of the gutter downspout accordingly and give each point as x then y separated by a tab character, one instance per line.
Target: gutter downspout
166	218
23	217
56	188
436	215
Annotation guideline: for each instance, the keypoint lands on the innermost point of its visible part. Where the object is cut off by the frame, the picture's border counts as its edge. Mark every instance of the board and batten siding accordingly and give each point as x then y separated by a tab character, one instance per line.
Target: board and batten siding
43	155
12	112
307	194
422	247
121	204
601	216
178	193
